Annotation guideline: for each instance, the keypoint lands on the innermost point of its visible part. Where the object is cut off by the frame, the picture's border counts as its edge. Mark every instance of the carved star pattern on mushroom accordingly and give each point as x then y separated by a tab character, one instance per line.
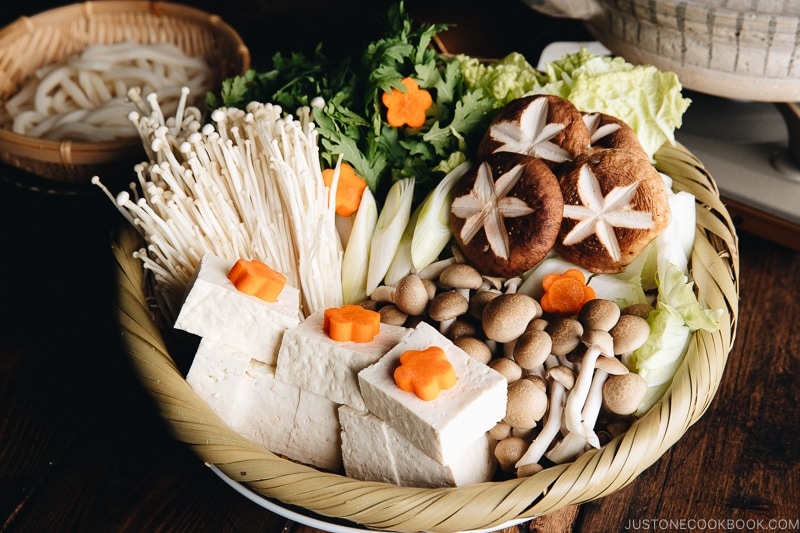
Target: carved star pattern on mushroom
532	135
599	215
597	131
487	205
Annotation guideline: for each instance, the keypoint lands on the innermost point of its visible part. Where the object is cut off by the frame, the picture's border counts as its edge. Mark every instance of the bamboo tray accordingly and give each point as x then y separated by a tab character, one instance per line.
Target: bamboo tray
51	36
595	474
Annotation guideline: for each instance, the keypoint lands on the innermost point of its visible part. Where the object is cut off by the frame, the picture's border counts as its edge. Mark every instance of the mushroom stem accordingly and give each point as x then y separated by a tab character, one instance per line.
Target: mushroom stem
549	430
434	270
591	410
567	449
576	399
598	343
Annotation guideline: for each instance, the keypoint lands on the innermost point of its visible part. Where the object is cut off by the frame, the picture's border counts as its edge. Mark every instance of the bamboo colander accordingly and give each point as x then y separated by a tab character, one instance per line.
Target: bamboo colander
715	269
50	37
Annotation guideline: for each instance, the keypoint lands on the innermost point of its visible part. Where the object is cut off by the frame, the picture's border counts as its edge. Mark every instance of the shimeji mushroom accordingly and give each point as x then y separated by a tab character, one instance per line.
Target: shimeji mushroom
527	404
445	307
506	316
411	295
475	348
561	379
622	394
629	333
508	451
508	368
597	317
461	277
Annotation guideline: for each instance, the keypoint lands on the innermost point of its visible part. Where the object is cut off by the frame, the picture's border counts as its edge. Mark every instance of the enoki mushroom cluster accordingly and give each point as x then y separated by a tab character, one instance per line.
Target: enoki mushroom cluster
249	185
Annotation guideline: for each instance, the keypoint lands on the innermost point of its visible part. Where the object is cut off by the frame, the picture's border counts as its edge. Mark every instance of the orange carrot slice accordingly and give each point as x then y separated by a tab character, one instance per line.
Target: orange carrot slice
351	323
257	279
425	372
349	189
407	107
565	293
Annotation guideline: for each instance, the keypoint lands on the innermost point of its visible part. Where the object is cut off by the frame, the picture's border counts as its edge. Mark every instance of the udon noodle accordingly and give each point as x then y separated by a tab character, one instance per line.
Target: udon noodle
86	97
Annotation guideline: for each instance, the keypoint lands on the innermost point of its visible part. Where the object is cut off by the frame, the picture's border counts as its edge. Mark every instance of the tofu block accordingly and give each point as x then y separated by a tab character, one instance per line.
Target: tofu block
214	308
216	374
314	362
366	454
441	428
374	451
287	421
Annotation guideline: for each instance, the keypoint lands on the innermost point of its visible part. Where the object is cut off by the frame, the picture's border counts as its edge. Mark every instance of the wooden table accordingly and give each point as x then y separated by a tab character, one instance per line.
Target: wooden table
82	448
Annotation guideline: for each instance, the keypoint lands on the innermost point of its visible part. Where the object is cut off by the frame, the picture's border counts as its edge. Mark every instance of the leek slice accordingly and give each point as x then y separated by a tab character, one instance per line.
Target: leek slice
432	228
356	255
391	224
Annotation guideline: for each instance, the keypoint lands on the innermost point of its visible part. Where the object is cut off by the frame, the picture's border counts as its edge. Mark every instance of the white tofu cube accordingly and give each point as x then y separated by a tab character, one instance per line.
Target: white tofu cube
374	451
311	360
216	309
441	428
366	454
287	421
216	374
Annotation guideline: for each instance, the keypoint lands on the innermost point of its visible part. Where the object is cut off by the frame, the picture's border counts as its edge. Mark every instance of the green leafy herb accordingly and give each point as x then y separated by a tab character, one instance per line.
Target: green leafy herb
351	121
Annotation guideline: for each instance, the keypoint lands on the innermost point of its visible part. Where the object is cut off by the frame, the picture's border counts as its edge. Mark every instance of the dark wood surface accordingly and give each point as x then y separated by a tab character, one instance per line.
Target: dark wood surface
83	449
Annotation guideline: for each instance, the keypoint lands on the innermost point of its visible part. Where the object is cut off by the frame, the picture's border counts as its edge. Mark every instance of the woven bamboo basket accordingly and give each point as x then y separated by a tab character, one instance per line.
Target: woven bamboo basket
597	473
50	37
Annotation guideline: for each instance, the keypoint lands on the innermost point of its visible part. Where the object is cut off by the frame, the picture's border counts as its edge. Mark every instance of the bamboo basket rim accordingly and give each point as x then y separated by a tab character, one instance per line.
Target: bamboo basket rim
79	153
382	506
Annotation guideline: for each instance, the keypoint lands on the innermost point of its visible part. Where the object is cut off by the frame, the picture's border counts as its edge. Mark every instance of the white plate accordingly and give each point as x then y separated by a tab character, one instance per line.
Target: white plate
309	519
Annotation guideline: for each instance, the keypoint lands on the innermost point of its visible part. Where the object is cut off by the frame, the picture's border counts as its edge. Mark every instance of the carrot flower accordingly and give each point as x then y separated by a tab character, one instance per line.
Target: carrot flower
349	189
407	107
257	279
425	372
351	323
565	294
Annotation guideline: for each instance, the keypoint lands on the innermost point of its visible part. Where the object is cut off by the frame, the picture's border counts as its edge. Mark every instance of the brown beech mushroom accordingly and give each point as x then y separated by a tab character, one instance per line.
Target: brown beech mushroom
479	300
445	307
500	431
629	333
507	368
506	213
475	348
641	310
543	126
506	316
528	470
623	394
390	314
615	204
411	295
565	334
462	277
526	404
557	375
599	314
563	374
508	451
462	328
532	349
611	366
598	344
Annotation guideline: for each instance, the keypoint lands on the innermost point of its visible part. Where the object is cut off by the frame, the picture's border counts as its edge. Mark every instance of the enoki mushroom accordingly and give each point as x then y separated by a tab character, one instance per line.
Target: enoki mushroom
249	185
85	98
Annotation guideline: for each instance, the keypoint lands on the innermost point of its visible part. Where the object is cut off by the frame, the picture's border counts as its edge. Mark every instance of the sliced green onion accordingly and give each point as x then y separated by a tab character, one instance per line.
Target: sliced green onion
432	228
401	263
392	222
356	255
